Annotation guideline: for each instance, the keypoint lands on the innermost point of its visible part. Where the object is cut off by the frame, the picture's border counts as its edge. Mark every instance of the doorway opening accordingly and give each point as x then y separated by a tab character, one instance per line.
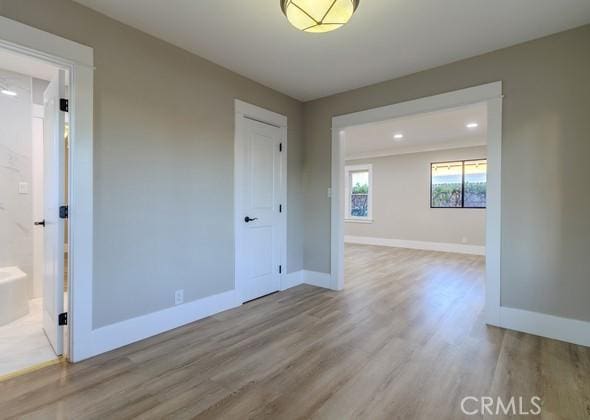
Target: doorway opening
415	207
403	175
34	157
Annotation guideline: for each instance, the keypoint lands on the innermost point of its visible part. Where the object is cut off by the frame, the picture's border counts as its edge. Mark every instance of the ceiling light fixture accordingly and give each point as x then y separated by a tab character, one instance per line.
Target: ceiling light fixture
318	15
8	92
398	136
472	125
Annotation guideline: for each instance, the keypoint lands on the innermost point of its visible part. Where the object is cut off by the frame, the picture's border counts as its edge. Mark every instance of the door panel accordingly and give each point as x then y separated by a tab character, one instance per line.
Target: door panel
53	198
258	263
262	170
260	252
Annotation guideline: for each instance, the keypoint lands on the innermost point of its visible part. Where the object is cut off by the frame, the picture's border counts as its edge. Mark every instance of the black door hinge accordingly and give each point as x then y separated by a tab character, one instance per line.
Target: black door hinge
280	208
280	269
63	212
280	147
62	319
64	105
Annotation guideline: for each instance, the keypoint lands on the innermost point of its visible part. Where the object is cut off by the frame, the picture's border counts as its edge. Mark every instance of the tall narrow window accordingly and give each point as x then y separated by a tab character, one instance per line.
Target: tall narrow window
358	192
458	184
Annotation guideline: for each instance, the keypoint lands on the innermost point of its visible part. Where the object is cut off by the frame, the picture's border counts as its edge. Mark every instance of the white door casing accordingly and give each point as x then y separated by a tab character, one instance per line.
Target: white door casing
78	60
491	94
260	184
54	197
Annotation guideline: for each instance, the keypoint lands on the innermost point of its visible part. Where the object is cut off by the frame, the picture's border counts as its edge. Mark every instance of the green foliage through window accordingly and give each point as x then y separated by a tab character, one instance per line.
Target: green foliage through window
360	189
359	193
459	184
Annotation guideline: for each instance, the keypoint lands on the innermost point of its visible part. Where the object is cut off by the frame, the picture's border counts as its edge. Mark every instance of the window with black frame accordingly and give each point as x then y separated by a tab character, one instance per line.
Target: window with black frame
458	184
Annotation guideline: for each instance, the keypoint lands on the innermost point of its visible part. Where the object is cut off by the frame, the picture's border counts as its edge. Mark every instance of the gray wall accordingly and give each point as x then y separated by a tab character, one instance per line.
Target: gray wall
164	126
401	201
545	178
163	162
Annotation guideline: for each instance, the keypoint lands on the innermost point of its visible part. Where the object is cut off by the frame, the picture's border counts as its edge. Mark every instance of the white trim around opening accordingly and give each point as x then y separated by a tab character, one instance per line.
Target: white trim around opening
546	325
491	94
77	59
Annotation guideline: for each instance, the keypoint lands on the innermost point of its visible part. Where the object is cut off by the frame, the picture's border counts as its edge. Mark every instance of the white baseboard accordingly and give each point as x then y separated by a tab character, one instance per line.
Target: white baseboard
316	278
313	278
544	325
427	246
292	279
117	335
126	332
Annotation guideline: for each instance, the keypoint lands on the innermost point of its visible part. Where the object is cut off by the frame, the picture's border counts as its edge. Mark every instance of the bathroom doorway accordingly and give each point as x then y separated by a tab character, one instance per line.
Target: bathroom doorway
34	126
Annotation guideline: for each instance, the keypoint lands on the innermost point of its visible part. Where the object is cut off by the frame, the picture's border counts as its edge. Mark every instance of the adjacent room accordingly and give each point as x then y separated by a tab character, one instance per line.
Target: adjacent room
29	255
418	181
294	209
415	200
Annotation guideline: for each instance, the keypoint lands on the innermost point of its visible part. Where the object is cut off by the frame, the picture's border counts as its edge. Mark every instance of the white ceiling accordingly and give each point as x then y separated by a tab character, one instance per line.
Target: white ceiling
384	40
422	132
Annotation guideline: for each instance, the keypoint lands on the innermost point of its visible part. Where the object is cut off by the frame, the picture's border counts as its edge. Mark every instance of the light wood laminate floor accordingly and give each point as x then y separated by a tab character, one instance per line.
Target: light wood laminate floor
405	339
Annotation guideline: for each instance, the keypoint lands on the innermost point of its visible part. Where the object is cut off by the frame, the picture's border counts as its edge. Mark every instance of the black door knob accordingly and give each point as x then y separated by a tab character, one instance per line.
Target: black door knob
248	219
41	223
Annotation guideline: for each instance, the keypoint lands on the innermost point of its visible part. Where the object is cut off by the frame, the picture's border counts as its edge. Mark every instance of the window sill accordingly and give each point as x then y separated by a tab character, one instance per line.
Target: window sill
358	220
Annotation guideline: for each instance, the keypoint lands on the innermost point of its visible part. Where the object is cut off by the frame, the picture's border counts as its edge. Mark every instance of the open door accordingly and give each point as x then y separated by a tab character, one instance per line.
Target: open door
54	197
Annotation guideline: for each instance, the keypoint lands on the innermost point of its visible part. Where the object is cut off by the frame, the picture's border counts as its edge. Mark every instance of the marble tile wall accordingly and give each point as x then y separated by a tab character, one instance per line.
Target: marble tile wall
16	246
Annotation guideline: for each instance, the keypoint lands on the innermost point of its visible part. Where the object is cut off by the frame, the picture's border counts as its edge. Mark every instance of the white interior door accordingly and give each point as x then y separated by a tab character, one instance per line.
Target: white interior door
258	259
53	198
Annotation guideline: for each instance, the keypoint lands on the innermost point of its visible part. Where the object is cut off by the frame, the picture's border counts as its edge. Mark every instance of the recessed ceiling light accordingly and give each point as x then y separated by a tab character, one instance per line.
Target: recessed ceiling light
398	136
472	125
8	92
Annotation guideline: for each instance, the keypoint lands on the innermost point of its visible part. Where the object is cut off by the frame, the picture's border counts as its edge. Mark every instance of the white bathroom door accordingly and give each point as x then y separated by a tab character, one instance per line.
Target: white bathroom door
53	198
258	266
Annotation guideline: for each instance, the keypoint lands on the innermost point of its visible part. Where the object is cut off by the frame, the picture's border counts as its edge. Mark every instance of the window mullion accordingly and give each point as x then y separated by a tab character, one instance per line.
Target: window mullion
463	185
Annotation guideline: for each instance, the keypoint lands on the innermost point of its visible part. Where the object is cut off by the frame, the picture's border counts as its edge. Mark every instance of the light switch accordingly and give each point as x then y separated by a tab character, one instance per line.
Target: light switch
23	187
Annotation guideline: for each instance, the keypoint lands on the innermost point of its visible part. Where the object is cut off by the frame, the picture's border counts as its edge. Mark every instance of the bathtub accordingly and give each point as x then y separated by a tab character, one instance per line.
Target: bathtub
14	302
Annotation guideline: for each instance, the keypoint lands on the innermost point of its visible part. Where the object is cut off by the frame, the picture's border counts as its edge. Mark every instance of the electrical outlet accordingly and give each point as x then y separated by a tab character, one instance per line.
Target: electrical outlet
179	297
464	239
